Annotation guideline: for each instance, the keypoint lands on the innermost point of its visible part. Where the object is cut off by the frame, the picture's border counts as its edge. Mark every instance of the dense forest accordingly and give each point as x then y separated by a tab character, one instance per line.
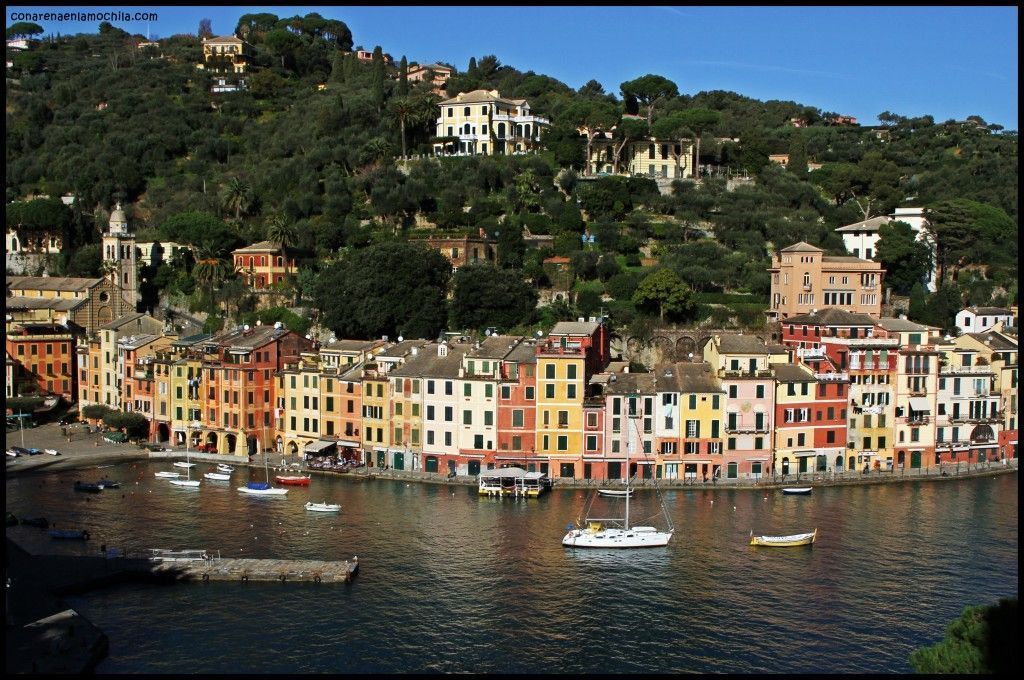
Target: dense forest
310	154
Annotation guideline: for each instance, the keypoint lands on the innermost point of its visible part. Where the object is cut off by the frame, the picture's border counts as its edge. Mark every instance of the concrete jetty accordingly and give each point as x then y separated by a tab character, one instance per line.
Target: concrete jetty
243	569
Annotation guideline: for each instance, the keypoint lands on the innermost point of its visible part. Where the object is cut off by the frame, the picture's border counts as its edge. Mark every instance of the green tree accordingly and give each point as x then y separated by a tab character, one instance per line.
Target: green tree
983	640
282	43
403	82
135	425
674	127
284	232
200	230
403	108
389	289
487	296
595	116
95	411
699	121
797	165
648	91
237	196
628	130
511	246
905	259
664	291
23	29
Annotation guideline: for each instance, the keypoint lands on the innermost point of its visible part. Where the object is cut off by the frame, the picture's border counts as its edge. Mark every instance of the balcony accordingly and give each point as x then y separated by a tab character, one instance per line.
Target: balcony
832	376
811	353
917	422
747	428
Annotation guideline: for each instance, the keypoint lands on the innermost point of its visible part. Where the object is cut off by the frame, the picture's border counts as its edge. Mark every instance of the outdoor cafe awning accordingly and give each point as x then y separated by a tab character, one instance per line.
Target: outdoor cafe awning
319	446
805	454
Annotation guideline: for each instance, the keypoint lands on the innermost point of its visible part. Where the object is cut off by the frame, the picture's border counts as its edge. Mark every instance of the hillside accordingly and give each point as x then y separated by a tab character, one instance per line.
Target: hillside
312	144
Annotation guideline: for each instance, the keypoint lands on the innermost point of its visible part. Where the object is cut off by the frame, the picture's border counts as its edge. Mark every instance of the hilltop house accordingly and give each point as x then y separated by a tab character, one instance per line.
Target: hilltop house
482	122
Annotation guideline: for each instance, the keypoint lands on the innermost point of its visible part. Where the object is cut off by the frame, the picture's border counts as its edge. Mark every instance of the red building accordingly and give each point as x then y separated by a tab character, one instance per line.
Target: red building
239	385
517	407
45	358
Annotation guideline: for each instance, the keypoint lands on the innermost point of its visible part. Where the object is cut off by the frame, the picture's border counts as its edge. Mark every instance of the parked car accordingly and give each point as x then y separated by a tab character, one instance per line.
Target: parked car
34	452
18	450
52	452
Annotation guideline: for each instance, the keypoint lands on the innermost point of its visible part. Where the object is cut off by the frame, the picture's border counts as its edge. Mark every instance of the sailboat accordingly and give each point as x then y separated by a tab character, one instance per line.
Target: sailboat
262	488
188	481
616	532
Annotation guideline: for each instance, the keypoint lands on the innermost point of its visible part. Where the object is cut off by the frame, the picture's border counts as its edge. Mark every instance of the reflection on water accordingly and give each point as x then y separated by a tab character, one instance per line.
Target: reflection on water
452	582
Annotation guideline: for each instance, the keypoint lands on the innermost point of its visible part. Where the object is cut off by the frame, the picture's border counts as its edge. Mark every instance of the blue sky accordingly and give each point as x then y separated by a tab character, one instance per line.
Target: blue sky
949	62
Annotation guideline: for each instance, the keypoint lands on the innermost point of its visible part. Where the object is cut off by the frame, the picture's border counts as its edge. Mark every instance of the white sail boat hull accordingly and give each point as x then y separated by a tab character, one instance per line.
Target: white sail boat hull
185	482
170	475
218	476
183	464
636	537
263	492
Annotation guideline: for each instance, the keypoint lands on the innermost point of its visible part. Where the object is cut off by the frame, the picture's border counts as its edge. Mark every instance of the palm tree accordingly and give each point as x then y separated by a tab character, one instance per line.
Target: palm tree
403	108
280	230
237	196
108	268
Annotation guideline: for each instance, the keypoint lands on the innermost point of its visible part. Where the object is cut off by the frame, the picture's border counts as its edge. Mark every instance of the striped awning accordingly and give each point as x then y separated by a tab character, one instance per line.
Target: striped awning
920	404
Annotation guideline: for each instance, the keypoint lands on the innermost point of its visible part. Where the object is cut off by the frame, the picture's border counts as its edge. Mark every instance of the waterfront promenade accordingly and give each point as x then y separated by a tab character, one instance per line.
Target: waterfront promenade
91	450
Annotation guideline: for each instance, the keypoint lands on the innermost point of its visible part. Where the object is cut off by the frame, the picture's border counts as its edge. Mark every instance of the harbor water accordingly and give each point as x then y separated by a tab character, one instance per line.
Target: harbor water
453	582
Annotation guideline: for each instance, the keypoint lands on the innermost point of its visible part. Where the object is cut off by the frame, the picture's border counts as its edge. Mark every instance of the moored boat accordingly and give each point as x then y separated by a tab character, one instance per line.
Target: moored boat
783	541
190	483
797	490
323	507
183	464
170	475
227	469
87	487
615	493
81	535
261	489
109	484
292	480
217	476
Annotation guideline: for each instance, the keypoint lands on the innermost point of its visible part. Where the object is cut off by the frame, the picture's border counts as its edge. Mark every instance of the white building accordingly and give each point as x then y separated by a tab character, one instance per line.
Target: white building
485	124
981	319
861	238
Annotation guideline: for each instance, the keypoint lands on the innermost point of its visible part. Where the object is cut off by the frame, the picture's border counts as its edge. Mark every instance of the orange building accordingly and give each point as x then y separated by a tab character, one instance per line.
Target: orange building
44	357
804	280
262	264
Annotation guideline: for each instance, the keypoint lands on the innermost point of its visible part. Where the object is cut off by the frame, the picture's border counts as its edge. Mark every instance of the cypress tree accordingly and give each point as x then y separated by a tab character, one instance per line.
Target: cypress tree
378	77
403	77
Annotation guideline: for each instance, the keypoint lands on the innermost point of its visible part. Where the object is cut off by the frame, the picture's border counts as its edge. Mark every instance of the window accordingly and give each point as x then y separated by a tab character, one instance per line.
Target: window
529	393
517	417
467	388
571	371
448	414
733	391
488	418
591	442
570	391
467	417
488	391
549	371
549	391
760	391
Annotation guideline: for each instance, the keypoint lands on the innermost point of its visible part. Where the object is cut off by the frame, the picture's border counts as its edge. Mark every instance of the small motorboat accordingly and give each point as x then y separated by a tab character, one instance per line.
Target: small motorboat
87	487
323	507
614	493
217	476
171	475
227	469
69	534
109	484
40	522
261	489
797	490
183	464
292	480
51	452
783	541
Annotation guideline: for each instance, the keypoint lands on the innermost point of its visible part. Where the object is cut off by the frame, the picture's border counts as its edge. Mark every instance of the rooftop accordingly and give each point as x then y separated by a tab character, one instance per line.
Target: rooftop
243	339
802	247
630	383
902	325
479	96
787	373
427	364
261	247
124	321
989	311
741	344
22	302
867	225
574	328
400	349
996	341
831	316
64	283
495	347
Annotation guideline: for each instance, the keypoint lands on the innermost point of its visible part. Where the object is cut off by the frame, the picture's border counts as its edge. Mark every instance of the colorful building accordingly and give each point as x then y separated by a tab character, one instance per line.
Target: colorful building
804	279
44	360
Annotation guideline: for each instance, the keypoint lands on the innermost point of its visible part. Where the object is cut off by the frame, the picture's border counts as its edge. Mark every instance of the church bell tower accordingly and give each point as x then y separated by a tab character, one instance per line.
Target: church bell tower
119	254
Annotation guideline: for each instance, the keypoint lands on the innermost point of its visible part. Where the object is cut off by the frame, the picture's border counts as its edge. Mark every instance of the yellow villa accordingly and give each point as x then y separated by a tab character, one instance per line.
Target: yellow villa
482	122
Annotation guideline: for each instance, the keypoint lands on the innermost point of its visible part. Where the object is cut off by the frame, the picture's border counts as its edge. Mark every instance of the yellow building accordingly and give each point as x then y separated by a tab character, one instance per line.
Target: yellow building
226	53
262	264
298	405
482	122
689	417
643	157
561	388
